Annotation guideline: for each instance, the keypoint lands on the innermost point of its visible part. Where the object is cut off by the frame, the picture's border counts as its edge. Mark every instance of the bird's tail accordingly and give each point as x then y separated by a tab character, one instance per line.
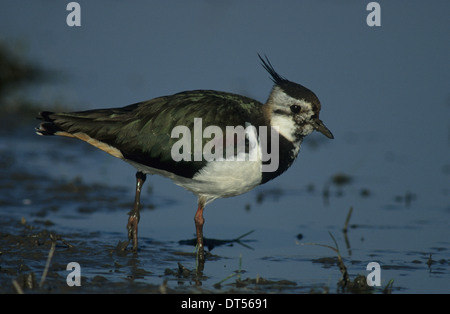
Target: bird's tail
96	127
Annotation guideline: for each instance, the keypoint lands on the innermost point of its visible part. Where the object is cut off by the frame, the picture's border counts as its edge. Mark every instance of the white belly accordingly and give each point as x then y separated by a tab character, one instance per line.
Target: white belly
226	178
218	179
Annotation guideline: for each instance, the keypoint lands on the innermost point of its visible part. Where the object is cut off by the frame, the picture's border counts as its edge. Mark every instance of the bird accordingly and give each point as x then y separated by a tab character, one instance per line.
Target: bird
172	136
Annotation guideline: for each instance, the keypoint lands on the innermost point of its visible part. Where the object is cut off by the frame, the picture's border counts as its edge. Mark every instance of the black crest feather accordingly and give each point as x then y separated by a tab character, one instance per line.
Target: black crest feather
276	78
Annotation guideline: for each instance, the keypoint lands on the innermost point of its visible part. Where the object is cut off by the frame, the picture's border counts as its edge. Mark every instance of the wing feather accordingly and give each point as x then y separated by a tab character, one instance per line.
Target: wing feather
142	131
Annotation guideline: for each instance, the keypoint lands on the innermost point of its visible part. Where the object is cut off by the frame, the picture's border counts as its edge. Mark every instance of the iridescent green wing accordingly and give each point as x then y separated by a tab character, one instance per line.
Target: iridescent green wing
143	131
152	138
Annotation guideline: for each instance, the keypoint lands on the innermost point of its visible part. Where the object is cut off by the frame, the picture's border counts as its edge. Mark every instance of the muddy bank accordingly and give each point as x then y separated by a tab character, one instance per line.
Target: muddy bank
34	260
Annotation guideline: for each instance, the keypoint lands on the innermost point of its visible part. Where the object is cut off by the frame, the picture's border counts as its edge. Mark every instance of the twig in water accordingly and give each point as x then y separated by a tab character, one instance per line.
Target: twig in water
342	267
344	230
47	265
347	220
17	286
388	288
237	273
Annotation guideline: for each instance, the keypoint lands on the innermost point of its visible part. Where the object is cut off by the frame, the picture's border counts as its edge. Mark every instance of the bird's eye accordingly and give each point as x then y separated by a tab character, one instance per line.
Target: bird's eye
295	108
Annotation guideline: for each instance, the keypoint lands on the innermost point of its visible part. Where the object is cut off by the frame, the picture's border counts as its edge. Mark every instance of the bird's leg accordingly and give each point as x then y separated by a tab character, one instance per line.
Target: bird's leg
199	221
134	215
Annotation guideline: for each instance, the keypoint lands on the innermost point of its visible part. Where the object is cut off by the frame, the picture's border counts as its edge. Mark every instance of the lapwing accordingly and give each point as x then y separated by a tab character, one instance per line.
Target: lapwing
170	136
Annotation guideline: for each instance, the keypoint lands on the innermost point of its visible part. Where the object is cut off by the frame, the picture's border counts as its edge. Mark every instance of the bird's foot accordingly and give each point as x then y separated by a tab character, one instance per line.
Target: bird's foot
132	228
200	257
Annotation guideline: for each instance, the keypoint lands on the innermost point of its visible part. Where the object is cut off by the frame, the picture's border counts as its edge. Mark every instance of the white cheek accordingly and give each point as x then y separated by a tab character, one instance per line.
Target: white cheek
286	126
280	101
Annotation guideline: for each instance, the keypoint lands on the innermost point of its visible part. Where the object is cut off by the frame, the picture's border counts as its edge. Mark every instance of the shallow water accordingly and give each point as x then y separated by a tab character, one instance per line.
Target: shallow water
384	94
82	195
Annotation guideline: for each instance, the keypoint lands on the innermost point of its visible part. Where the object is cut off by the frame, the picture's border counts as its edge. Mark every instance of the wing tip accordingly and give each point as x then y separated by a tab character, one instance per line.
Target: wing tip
47	127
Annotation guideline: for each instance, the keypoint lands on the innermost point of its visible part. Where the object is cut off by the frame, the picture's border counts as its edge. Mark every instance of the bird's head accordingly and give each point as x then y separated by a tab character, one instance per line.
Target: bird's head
293	108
